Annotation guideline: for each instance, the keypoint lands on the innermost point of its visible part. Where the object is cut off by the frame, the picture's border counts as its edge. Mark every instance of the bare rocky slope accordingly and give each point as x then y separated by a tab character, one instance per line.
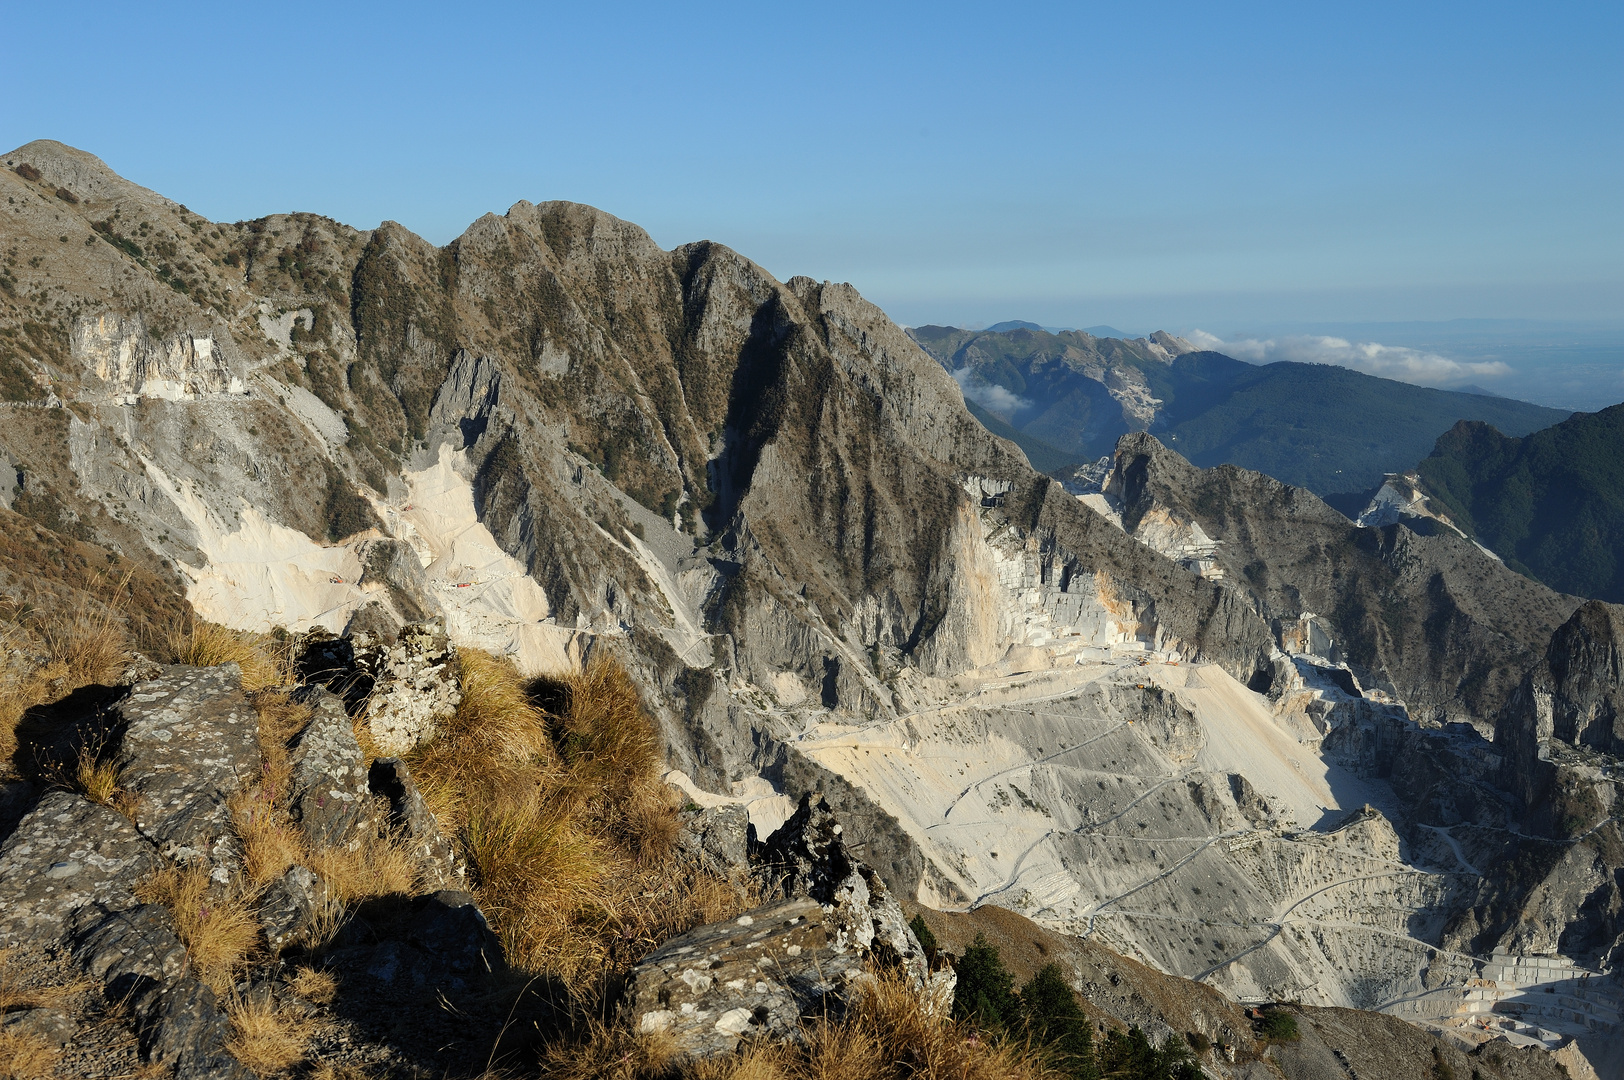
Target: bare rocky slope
1180	720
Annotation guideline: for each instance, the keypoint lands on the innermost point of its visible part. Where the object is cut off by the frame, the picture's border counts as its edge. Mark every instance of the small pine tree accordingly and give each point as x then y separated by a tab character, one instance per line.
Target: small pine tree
926	939
985	995
1056	1021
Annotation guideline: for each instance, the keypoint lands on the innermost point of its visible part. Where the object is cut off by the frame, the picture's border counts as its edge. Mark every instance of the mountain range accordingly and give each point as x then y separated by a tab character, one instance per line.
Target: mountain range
1194	730
1329	429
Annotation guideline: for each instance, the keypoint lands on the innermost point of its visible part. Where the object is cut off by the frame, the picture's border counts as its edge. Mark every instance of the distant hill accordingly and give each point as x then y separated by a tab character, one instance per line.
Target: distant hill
1550	504
1329	429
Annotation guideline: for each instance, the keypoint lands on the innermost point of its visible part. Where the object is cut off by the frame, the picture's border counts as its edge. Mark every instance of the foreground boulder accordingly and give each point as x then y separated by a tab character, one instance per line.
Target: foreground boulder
806	857
755	976
401	686
67	853
330	797
190	738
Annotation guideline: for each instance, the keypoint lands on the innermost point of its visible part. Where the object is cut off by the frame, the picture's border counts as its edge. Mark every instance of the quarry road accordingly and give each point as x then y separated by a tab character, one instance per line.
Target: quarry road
1033	763
1454	845
1164	874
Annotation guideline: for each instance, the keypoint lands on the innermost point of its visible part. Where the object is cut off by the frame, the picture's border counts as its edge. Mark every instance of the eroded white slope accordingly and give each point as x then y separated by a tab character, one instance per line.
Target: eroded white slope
258	574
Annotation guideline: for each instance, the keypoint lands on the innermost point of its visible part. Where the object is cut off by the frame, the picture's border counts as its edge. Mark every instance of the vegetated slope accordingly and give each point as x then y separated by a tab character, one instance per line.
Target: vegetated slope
1039	454
1551	503
1325	428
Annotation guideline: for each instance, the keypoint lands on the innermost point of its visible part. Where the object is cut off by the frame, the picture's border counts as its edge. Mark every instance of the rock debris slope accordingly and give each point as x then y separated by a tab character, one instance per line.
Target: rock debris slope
1201	717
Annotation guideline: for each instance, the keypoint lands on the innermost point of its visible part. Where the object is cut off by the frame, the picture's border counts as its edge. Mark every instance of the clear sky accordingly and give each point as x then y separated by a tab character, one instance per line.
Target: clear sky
1135	164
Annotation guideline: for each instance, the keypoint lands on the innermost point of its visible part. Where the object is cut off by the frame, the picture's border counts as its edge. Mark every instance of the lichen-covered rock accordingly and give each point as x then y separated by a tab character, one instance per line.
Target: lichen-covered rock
289	906
66	853
121	947
716	839
48	1025
329	796
414	685
190	736
807	857
181	1026
410	818
755	976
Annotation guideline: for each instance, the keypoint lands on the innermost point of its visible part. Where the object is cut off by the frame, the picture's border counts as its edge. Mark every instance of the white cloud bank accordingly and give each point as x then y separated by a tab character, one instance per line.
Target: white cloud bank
992	398
1386	361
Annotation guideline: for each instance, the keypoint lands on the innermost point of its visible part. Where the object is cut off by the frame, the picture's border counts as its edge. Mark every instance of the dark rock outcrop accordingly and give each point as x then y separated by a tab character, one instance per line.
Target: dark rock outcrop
806	857
330	797
189	739
67	853
755	976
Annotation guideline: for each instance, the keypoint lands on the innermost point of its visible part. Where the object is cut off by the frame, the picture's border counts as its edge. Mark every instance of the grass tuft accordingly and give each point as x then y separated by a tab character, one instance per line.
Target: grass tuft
264	660
26	1057
264	1037
218	929
552	788
313	984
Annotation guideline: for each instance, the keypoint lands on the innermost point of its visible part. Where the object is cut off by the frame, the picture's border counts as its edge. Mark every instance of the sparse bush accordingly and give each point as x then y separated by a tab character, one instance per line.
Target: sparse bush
1278	1025
67	196
28	172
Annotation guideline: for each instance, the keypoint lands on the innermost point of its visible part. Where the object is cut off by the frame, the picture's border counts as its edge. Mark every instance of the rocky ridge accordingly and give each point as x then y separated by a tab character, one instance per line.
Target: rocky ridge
826	576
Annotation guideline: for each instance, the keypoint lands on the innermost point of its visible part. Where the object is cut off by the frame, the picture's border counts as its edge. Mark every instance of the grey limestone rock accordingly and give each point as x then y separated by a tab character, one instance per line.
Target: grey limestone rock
717	839
755	976
123	947
806	857
414	684
66	853
329	796
181	1026
410	817
190	736
289	905
55	1028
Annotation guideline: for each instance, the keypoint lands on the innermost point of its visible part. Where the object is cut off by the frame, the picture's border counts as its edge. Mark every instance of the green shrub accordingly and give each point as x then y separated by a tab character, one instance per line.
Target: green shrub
1056	1022
985	995
1278	1025
927	940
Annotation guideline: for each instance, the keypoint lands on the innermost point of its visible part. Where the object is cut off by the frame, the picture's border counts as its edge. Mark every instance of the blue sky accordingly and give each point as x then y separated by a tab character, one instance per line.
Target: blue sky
1177	165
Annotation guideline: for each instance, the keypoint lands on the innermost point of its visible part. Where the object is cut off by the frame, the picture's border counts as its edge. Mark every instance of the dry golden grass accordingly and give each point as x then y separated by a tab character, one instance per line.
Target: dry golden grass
219	931
563	817
381	866
886	1036
313	984
50	648
89	638
265	661
265	1038
270	841
26	1057
96	777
